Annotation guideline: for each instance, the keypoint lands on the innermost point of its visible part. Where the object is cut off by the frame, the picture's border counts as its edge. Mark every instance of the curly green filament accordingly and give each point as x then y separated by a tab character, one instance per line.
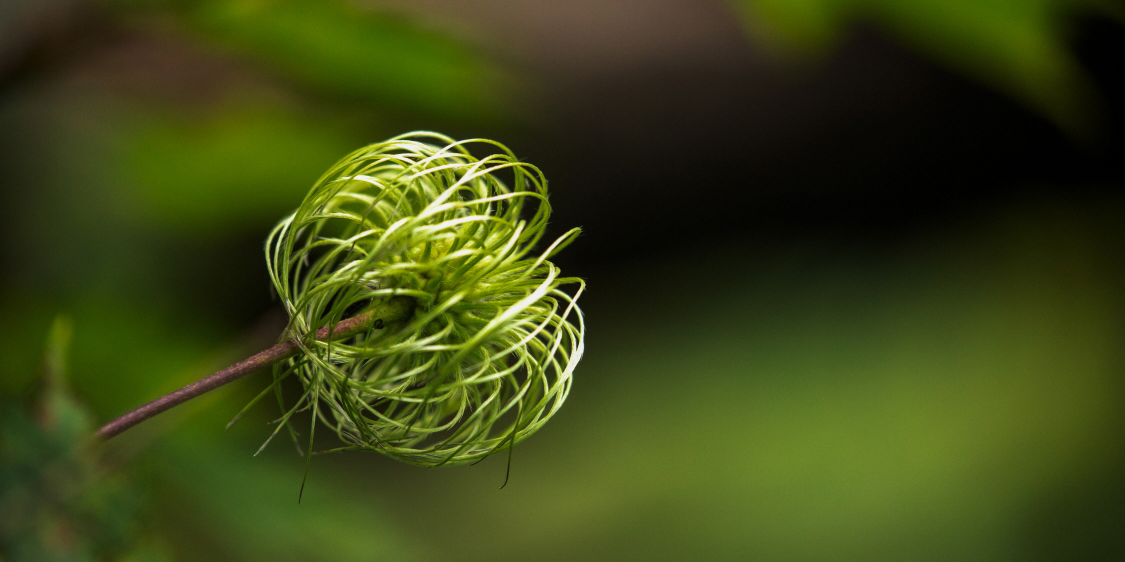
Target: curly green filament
487	356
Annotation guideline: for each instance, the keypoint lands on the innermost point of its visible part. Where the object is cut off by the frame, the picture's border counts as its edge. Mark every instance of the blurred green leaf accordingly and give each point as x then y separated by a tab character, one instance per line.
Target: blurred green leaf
342	49
229	167
1017	46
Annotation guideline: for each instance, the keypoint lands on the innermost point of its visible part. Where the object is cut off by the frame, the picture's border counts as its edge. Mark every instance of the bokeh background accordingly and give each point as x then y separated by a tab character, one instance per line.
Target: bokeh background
856	274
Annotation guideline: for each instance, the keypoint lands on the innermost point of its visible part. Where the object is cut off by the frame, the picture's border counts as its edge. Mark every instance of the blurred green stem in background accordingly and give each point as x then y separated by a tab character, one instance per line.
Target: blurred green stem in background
57	501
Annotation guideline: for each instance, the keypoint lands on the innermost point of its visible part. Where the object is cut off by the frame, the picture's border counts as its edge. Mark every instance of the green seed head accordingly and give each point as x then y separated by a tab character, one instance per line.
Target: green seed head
467	343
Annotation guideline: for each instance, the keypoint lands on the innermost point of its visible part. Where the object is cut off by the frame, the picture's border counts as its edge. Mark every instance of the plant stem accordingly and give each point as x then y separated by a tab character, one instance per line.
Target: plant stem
395	309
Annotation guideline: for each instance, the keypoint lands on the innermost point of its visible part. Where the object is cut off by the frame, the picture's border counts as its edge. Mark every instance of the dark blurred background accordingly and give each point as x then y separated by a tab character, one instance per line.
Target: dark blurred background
855	269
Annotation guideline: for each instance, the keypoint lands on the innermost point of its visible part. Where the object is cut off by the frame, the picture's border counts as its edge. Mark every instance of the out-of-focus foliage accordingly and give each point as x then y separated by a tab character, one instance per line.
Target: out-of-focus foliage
247	506
56	501
340	49
1017	46
236	164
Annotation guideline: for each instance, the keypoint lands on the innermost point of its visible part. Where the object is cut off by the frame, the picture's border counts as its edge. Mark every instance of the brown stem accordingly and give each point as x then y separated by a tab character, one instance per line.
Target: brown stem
394	310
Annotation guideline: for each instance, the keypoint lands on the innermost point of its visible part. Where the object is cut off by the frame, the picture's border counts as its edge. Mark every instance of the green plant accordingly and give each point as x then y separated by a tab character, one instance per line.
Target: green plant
420	325
1020	47
59	499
